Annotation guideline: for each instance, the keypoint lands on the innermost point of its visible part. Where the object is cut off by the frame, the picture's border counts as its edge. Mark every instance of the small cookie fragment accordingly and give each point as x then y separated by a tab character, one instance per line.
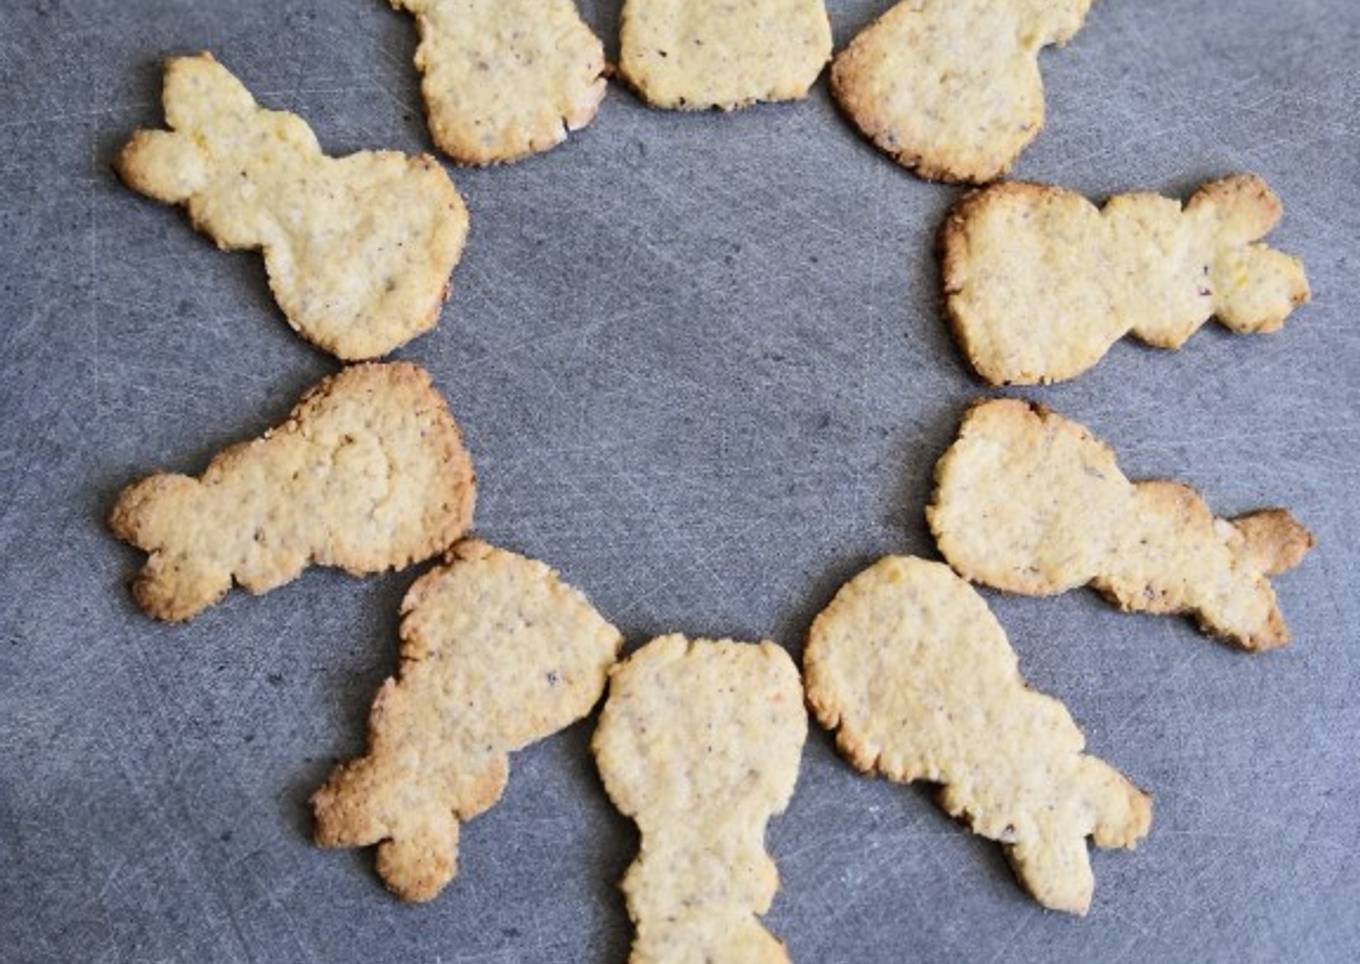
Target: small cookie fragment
496	653
359	249
368	473
1029	502
951	88
915	674
503	79
699	54
1039	282
699	743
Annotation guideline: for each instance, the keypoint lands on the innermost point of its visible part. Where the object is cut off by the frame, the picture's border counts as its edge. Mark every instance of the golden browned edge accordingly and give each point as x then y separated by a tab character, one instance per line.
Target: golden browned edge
1277	528
1293	546
431	320
1240	184
462	479
686	107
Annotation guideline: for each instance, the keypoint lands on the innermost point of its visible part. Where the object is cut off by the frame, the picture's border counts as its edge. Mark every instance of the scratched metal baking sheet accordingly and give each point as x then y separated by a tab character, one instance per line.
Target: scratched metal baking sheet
701	367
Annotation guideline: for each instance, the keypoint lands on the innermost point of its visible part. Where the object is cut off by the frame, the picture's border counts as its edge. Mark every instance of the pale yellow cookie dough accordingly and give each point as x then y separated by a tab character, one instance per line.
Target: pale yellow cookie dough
1029	502
503	79
698	54
951	88
1039	283
699	742
368	473
496	653
915	674
359	249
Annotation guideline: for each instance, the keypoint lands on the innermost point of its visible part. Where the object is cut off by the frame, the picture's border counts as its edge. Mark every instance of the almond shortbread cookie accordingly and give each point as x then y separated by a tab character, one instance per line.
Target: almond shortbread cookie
368	473
358	249
697	54
699	742
1031	503
496	653
951	88
1039	283
915	674
503	79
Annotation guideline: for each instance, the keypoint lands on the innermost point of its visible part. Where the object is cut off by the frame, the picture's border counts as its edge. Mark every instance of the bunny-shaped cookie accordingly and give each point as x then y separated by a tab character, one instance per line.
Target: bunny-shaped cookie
358	249
496	653
699	742
1039	282
915	674
503	79
368	473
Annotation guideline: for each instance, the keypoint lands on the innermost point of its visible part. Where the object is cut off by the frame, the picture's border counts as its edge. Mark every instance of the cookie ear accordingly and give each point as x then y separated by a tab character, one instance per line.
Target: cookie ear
1273	539
198	89
1124	814
1256	288
417	864
160	164
1056	869
159	514
1244	206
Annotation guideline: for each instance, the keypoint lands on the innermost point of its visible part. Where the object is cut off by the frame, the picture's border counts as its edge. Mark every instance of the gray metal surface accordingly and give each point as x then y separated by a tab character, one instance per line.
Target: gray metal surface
701	367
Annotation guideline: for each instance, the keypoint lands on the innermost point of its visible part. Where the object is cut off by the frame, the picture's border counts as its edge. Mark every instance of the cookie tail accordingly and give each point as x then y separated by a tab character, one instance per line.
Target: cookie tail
1123	812
1256	288
159	515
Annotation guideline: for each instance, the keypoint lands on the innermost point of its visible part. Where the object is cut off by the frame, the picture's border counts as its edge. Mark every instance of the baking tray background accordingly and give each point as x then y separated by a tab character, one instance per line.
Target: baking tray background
702	369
